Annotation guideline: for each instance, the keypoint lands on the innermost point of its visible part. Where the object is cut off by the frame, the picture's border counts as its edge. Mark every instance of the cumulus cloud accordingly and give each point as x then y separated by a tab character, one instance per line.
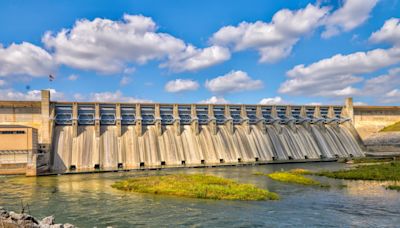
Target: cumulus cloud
314	103
180	85
360	103
334	76
389	33
32	95
193	59
73	77
382	84
272	100
214	100
392	96
352	14
337	75
109	46
125	80
273	40
234	81
116	96
25	59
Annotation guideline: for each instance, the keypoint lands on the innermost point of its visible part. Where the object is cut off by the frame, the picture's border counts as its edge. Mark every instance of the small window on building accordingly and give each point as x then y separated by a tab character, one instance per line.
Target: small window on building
12	132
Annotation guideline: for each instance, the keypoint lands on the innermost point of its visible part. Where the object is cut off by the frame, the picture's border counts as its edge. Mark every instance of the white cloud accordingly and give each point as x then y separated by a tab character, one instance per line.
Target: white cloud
348	91
32	95
73	77
377	86
125	80
334	76
25	59
214	100
389	33
116	96
314	103
272	100
2	83
129	70
360	103
273	40
392	96
234	81
180	85
108	46
352	14
193	59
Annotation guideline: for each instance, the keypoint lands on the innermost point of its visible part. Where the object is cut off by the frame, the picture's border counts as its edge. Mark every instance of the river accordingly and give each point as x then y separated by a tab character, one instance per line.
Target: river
87	200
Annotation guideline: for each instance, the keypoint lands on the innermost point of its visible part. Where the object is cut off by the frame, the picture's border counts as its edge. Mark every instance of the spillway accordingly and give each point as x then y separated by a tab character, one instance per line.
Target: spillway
137	136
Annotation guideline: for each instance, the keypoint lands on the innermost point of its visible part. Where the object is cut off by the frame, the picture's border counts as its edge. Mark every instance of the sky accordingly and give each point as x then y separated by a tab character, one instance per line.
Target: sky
252	52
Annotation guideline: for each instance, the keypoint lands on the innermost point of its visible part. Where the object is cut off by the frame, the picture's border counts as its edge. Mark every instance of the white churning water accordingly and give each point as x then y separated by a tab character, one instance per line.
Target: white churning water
280	142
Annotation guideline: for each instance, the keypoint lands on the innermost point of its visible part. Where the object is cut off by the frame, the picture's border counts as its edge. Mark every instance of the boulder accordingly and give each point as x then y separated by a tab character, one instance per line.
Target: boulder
49	220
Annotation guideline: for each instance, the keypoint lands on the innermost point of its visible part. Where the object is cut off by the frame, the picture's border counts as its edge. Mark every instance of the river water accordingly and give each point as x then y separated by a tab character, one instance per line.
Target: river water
87	200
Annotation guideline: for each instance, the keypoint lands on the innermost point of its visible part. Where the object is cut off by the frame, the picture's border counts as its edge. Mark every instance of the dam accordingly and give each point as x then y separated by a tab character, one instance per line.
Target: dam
90	136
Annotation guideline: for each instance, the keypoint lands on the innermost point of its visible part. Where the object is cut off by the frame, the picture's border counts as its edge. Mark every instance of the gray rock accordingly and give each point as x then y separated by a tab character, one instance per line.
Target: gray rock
16	216
44	226
3	213
49	220
12	219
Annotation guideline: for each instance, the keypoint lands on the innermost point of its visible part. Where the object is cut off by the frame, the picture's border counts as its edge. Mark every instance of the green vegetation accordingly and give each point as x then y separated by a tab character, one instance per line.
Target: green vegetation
393	127
195	186
370	160
394	187
380	172
300	171
293	176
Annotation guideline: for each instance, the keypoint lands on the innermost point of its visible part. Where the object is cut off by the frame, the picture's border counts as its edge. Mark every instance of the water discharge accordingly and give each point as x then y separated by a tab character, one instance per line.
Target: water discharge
278	142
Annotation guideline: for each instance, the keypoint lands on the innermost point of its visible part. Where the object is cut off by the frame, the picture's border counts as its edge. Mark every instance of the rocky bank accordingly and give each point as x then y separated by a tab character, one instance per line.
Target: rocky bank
11	219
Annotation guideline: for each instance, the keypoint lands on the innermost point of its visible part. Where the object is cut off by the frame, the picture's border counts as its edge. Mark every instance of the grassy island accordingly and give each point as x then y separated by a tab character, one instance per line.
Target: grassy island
195	186
379	172
294	176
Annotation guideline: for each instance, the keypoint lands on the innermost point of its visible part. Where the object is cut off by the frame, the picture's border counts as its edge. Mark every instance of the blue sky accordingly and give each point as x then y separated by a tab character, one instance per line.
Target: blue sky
202	51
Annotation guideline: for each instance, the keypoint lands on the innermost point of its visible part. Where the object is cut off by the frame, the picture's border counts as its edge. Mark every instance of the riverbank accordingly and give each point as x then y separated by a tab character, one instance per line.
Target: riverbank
379	172
11	219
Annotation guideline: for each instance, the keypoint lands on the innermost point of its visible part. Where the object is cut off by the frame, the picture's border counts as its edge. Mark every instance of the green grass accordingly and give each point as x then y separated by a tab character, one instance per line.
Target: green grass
371	160
300	171
393	127
294	176
394	187
195	186
379	172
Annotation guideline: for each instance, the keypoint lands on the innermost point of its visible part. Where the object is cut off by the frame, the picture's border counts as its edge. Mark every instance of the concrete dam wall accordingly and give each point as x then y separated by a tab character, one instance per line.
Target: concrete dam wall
150	150
87	136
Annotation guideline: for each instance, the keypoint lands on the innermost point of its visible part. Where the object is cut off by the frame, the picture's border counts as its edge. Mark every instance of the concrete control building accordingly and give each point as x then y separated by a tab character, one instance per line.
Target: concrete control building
19	144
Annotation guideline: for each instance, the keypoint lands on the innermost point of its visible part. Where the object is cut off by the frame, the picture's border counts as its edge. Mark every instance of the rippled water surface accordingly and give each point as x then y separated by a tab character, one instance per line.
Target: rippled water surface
88	200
